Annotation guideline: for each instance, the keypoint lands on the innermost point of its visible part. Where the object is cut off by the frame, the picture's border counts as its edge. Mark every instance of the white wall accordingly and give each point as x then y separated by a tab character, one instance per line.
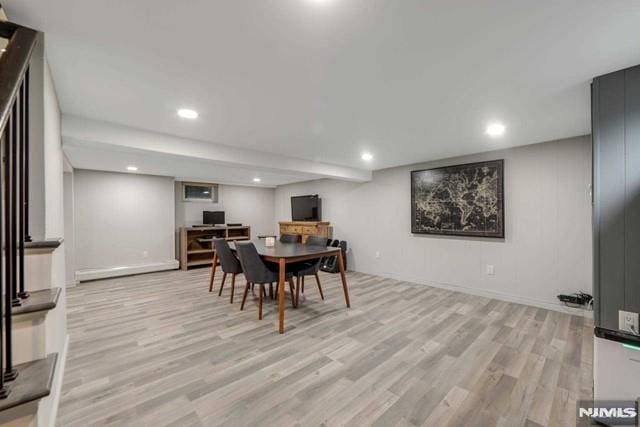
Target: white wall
253	206
69	225
124	223
56	320
37	141
547	249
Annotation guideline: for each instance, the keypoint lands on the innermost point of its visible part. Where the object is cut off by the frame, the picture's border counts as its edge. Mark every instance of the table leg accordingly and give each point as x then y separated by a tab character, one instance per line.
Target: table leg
281	272
344	279
213	271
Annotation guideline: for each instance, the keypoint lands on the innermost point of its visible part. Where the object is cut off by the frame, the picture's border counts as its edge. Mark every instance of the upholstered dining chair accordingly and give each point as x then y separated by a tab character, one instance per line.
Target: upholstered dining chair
310	268
229	264
258	272
290	238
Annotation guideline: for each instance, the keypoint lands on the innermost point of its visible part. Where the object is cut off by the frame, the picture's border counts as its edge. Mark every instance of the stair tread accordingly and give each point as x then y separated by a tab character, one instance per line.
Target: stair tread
42	300
46	245
33	382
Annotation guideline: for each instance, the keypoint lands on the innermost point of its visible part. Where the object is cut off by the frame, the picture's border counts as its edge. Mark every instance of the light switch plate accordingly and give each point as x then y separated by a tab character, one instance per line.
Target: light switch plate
490	270
628	322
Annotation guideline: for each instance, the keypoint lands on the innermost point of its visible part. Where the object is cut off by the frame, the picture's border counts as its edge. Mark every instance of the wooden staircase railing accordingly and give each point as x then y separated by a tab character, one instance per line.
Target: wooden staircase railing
14	190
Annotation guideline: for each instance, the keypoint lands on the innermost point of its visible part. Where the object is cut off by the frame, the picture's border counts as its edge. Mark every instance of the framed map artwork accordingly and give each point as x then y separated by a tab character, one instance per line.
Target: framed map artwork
461	200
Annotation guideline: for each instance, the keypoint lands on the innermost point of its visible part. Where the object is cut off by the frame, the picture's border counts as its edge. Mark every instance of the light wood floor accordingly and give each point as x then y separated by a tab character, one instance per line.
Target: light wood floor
159	350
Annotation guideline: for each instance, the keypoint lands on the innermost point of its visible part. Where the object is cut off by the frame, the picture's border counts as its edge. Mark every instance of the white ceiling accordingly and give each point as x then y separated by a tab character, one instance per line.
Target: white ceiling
325	80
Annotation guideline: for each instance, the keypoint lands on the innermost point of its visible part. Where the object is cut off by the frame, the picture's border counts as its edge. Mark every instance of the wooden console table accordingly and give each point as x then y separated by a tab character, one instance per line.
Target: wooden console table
306	228
196	242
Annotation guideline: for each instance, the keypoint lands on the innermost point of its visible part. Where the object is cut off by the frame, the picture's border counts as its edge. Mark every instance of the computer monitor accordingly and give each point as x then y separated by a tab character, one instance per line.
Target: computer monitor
213	217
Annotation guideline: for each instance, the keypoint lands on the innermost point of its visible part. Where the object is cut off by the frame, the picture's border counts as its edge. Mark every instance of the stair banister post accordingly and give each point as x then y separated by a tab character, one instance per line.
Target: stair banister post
23	179
27	237
10	247
4	388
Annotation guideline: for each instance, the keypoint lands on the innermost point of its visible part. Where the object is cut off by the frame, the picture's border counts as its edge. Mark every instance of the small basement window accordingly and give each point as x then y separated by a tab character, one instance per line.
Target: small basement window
192	192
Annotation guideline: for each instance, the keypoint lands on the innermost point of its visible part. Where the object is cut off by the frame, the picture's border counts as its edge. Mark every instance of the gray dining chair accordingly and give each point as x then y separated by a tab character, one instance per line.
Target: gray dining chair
310	268
290	238
258	272
229	264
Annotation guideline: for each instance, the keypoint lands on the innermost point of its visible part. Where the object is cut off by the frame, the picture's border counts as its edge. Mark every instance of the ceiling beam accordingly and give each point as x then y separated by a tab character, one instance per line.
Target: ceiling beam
78	132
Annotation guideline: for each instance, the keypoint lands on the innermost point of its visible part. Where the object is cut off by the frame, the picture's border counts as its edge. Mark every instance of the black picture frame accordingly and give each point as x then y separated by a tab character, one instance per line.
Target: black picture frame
467	174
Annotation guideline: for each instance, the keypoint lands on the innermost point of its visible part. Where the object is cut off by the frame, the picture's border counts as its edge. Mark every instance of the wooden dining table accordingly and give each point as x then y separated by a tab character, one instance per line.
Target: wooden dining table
287	253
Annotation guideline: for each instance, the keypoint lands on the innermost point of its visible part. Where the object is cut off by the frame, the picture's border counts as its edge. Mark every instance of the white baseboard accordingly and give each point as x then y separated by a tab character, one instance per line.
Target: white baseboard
56	391
555	306
103	273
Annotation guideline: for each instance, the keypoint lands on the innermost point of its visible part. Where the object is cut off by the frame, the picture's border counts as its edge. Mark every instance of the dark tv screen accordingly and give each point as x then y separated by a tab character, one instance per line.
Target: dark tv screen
306	208
213	217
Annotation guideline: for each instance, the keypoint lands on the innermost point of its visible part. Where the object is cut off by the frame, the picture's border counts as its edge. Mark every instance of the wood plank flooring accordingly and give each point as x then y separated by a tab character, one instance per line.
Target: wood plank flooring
159	350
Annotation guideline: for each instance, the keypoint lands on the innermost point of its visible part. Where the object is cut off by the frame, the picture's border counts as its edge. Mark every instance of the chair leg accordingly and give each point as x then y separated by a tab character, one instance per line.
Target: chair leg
260	303
319	287
224	276
292	287
214	263
233	286
303	284
271	290
297	290
244	297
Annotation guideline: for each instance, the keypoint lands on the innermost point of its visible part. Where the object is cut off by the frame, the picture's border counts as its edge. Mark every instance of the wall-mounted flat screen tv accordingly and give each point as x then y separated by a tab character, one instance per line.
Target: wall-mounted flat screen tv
306	208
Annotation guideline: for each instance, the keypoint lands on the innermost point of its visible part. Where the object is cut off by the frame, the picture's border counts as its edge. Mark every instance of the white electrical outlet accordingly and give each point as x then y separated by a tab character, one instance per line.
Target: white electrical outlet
490	270
145	254
628	322
377	254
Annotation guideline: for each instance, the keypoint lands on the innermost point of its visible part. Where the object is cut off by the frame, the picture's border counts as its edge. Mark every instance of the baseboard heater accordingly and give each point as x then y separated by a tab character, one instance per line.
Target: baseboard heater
127	270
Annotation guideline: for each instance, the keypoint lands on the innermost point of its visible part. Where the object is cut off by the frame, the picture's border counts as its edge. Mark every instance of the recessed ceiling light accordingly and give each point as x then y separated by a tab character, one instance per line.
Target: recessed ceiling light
187	113
367	156
495	129
4	49
132	168
256	180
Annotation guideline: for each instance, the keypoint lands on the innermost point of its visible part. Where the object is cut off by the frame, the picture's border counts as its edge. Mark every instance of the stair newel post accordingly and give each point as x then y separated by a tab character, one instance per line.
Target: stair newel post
10	243
4	388
23	179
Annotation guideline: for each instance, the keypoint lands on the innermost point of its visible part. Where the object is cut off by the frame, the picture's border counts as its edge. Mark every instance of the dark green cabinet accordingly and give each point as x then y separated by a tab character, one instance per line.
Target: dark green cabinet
615	101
